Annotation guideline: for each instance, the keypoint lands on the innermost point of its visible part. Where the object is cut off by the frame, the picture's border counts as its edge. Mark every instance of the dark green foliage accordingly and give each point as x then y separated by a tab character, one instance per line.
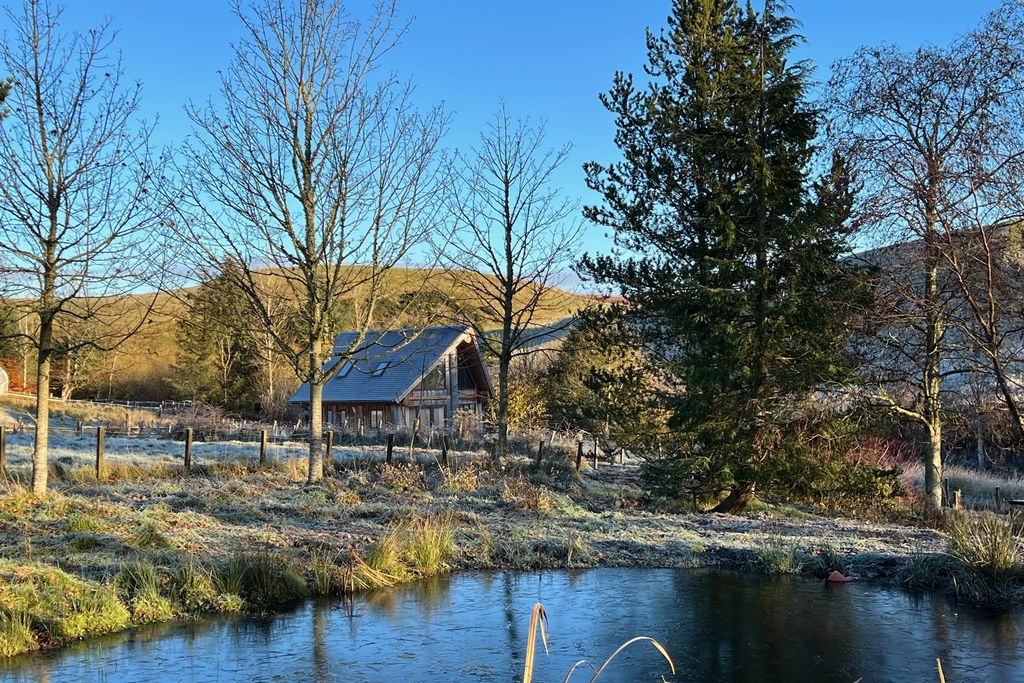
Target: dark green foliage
216	356
600	383
727	246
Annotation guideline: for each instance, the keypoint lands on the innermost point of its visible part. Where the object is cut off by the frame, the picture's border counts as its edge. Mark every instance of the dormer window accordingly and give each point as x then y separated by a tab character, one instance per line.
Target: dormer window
379	370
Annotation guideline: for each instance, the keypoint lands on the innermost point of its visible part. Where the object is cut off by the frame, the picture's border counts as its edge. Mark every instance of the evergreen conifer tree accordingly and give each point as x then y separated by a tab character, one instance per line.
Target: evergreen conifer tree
727	245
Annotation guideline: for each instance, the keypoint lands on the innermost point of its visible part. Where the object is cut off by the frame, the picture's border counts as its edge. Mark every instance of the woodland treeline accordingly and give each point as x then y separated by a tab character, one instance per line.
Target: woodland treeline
813	282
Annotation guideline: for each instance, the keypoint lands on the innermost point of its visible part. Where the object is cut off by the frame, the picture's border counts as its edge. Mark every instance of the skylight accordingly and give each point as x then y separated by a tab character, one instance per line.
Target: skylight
345	369
379	370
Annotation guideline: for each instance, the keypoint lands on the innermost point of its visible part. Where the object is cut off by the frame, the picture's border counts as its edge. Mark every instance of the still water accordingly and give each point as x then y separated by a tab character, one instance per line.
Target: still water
718	626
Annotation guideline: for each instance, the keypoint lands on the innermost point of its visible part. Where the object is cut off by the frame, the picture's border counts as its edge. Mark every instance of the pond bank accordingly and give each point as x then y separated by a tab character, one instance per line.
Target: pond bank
472	626
188	529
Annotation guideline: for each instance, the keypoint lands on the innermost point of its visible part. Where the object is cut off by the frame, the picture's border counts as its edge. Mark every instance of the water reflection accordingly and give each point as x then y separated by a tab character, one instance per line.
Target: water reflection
718	627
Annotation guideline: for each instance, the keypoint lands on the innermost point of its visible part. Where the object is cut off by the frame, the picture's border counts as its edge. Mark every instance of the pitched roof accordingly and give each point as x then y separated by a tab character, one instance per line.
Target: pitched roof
404	355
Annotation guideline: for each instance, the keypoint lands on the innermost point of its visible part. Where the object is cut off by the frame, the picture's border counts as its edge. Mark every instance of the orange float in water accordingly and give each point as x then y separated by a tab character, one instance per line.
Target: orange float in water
836	577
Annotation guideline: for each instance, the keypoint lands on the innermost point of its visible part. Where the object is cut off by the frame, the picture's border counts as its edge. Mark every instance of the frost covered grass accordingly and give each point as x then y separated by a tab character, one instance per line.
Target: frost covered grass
149	543
977	487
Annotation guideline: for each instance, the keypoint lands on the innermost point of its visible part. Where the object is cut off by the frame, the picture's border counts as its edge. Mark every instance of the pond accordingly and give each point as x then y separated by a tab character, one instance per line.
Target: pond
718	626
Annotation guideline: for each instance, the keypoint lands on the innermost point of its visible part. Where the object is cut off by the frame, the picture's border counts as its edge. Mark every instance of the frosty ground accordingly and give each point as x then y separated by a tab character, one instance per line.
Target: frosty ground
149	510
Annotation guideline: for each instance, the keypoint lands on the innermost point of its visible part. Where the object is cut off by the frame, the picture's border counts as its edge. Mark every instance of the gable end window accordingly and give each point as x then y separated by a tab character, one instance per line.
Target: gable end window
435	379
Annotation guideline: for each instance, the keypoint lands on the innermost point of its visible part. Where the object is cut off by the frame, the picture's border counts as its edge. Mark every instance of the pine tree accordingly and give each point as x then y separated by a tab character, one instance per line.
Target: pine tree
216	346
727	245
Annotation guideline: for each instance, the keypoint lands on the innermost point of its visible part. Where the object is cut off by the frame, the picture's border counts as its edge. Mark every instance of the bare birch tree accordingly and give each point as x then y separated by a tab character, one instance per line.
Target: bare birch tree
314	173
514	243
930	134
79	226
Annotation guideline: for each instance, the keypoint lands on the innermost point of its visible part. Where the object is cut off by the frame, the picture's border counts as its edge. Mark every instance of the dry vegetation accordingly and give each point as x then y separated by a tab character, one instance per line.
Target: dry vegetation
151	544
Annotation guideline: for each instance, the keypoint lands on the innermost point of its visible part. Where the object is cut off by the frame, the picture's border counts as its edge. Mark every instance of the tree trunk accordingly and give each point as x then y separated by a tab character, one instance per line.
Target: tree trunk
933	466
932	371
40	449
740	495
316	431
502	445
979	428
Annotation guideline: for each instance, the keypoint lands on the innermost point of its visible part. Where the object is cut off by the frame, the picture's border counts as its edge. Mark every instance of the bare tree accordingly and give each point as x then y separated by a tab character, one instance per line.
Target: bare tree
514	243
315	174
931	133
78	221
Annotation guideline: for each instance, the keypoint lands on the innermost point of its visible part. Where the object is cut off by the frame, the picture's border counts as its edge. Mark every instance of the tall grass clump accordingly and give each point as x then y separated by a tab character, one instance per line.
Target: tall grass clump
778	557
430	542
196	589
264	580
138	583
989	556
16	633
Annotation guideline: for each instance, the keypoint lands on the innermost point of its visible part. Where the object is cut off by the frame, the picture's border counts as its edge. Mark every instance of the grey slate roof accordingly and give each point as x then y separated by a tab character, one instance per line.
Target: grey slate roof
408	353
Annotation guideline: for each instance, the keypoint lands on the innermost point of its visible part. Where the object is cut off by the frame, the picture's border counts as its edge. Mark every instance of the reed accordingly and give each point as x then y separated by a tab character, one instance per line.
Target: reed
538	623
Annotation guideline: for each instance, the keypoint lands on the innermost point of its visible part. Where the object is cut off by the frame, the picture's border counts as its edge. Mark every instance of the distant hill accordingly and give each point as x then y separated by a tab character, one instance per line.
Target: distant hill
139	369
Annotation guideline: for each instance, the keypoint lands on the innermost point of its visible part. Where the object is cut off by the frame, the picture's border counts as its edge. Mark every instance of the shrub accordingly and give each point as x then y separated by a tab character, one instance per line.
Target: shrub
403	477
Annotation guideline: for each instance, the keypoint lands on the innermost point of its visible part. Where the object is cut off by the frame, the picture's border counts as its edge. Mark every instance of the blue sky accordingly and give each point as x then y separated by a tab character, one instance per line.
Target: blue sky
547	59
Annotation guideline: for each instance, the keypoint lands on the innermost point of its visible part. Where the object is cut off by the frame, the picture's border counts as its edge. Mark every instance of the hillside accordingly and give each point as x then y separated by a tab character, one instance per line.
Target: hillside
139	369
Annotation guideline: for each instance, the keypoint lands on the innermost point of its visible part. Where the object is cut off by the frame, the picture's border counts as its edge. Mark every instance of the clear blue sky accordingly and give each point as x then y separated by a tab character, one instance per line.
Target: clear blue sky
548	59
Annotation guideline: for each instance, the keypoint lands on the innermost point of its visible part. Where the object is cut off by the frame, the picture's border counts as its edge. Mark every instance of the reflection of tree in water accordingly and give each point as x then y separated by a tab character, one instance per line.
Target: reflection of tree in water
321	660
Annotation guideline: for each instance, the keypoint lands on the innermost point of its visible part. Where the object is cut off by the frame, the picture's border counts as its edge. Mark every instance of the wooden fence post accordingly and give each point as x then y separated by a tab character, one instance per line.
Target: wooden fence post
595	454
391	448
579	456
540	454
188	449
263	448
100	434
947	501
957	500
412	437
999	501
444	449
3	451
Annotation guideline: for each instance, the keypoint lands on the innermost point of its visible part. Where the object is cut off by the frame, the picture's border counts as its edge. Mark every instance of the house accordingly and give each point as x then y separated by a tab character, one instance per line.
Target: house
401	376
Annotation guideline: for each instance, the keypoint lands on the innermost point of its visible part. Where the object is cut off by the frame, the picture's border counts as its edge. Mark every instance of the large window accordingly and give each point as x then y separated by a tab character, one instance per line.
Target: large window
435	379
376	418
